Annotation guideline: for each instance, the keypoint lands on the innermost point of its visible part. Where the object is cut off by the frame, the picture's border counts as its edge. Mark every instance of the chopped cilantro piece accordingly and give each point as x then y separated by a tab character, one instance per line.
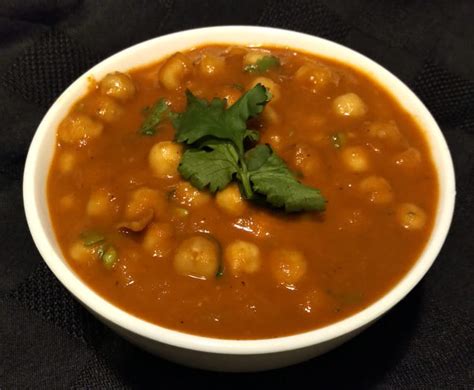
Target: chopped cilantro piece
109	257
91	238
263	64
104	251
153	117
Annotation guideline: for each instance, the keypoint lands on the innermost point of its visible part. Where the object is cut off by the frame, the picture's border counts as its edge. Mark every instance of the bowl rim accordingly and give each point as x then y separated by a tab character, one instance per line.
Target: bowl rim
32	187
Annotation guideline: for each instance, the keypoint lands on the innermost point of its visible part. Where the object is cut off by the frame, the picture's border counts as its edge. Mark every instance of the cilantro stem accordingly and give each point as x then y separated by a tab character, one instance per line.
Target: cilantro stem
245	179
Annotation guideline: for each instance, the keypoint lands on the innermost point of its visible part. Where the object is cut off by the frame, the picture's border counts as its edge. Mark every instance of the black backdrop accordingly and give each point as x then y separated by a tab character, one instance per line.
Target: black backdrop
48	341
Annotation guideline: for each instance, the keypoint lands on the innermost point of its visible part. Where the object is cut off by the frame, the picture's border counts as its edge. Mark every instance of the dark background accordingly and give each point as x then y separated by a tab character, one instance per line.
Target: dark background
48	341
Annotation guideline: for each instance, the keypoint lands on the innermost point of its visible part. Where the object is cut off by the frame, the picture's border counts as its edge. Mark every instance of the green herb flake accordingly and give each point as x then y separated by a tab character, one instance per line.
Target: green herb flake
109	257
103	250
263	64
153	117
91	238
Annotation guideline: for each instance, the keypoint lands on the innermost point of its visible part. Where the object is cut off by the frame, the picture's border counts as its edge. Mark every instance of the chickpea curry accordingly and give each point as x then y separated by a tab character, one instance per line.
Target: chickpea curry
241	193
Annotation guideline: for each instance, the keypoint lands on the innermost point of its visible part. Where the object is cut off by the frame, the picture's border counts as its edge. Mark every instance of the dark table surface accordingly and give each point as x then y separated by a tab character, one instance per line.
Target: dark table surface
47	340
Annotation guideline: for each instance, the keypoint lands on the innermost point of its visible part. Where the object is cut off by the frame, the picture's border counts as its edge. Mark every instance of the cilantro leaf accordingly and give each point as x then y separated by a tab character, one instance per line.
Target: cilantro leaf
271	178
203	120
213	166
154	115
249	105
257	156
263	64
200	119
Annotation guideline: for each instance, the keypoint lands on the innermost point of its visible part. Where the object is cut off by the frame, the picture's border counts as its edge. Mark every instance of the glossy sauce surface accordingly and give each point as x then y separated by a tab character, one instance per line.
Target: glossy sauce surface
366	155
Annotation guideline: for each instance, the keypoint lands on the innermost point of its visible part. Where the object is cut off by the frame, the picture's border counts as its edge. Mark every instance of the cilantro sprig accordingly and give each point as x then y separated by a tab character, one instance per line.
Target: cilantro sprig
215	138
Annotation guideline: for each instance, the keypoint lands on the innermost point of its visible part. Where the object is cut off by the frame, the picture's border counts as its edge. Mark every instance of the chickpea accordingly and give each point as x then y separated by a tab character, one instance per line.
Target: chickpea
210	65
355	158
144	204
158	239
78	129
145	198
231	201
117	85
108	109
408	159
377	189
242	257
80	253
139	223
190	196
67	162
315	76
197	257
164	159
288	266
349	105
410	216
100	204
174	71
385	131
271	85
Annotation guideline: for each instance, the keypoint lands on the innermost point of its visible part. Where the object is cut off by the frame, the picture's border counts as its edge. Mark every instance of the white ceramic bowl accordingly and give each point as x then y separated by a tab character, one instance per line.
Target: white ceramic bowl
203	352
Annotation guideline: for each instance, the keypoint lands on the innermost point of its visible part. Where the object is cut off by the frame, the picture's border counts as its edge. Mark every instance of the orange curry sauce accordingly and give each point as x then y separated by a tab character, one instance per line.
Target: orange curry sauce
367	156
